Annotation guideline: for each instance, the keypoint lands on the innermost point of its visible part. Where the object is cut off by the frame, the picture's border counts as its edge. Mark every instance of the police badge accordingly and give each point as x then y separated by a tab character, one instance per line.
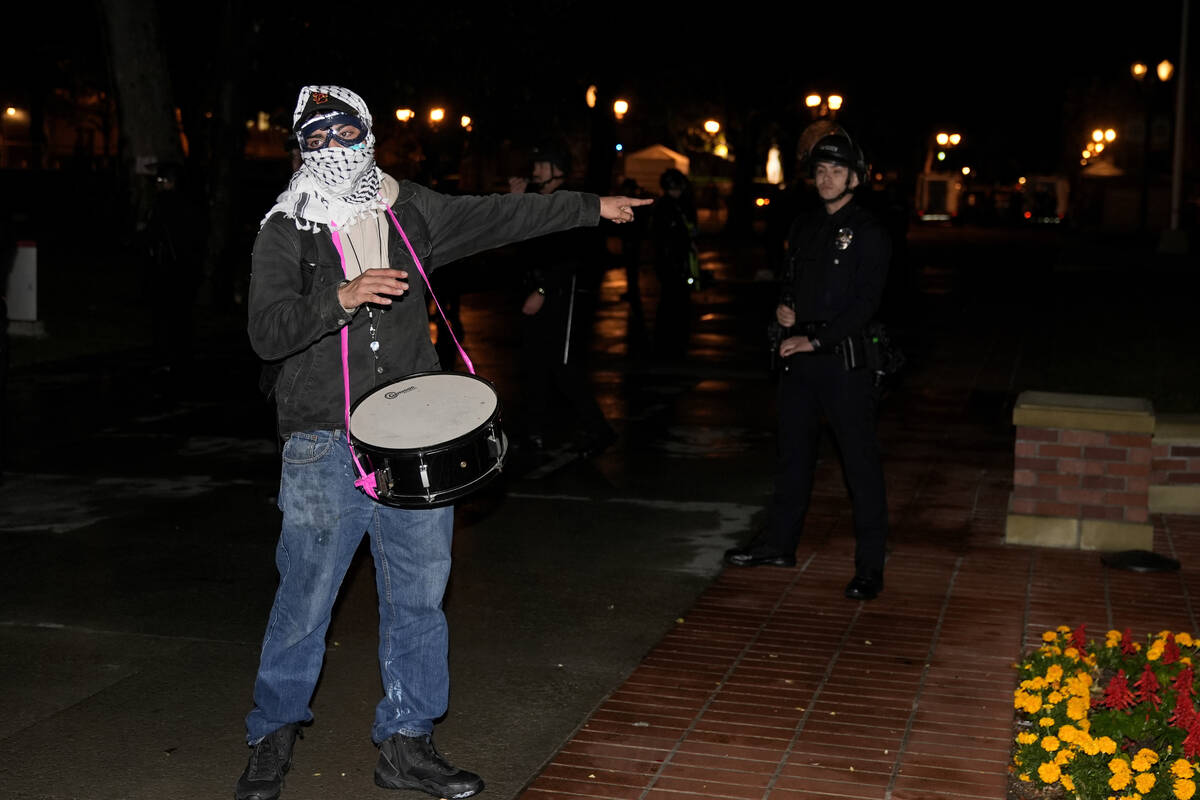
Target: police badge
844	237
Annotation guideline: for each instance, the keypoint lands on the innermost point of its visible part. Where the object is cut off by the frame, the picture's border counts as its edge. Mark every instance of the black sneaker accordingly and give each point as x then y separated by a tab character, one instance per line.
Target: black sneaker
412	762
270	760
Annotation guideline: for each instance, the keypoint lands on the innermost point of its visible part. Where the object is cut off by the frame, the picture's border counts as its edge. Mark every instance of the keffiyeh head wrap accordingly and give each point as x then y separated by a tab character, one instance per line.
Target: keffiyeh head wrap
336	184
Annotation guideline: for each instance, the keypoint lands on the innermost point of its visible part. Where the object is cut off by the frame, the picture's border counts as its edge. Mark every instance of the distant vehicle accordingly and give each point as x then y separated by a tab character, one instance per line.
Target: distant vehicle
938	196
1046	198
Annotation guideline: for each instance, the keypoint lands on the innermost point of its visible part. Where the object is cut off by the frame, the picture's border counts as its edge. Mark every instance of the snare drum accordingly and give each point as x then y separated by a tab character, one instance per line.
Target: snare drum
430	438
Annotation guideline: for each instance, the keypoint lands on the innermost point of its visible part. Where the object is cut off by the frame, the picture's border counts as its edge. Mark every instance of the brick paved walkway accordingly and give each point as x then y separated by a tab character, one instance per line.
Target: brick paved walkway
773	686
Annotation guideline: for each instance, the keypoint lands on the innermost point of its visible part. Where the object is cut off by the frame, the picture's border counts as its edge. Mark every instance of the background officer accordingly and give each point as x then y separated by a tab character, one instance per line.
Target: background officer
563	272
839	262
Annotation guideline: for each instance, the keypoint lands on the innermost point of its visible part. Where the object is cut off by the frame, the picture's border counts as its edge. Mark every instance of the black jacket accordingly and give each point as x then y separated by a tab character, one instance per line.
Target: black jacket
295	316
839	267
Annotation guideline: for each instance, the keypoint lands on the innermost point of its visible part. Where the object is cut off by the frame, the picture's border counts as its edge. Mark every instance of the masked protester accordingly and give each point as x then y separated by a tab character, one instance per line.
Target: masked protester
334	255
839	260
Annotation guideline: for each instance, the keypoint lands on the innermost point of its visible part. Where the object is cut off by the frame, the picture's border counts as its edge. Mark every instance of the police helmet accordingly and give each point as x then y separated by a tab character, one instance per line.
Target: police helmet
554	151
838	148
672	179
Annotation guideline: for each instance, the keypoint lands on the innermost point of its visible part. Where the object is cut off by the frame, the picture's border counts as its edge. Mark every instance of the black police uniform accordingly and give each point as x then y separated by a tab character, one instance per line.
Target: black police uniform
839	266
564	267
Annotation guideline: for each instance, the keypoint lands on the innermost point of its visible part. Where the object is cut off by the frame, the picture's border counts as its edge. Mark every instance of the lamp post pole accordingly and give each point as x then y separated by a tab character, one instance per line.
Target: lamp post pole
1180	95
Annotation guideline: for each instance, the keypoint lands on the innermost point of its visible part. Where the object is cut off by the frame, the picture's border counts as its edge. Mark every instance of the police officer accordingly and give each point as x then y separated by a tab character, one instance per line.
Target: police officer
839	268
562	282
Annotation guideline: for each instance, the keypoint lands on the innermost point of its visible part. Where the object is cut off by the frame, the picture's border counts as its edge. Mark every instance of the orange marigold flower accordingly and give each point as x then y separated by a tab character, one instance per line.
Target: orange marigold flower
1107	746
1077	708
1144	782
1049	772
1050	744
1046	722
1184	788
1026	738
1054	673
1184	639
1182	768
1119	781
1049	636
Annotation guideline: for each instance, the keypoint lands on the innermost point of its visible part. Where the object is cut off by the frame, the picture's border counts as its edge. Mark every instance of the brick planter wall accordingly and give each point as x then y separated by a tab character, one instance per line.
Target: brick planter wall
1175	464
1081	472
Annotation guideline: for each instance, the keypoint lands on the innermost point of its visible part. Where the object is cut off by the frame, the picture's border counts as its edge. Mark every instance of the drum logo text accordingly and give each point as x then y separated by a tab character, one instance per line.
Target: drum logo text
394	395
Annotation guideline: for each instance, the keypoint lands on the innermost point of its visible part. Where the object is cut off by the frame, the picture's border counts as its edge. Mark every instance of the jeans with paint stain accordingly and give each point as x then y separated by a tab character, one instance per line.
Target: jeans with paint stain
324	519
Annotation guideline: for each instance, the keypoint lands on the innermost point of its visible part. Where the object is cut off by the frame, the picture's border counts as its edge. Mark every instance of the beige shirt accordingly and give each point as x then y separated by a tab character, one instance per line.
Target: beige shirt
365	242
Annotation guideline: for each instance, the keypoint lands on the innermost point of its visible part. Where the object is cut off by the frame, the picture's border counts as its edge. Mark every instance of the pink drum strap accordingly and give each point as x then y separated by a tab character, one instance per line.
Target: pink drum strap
420	269
365	482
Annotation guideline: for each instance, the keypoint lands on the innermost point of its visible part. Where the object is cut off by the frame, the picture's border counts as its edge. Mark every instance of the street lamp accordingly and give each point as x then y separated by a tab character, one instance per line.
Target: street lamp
944	140
620	108
827	106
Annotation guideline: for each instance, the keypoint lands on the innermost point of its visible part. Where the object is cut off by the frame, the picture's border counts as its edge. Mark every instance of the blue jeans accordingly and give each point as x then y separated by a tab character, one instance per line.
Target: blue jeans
324	518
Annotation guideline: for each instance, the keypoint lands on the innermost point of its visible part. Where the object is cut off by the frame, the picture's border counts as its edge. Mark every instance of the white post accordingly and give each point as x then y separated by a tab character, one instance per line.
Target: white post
21	290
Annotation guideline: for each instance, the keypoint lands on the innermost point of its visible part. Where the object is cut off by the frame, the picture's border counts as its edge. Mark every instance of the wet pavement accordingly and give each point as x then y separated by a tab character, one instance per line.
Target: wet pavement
598	647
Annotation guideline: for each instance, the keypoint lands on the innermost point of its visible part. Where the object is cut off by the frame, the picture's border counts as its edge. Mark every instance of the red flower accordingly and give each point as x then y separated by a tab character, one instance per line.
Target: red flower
1183	714
1191	743
1079	638
1183	682
1170	650
1117	694
1147	688
1127	643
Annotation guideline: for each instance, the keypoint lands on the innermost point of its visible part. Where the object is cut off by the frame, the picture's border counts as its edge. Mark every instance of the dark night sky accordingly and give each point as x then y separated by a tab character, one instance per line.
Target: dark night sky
1007	78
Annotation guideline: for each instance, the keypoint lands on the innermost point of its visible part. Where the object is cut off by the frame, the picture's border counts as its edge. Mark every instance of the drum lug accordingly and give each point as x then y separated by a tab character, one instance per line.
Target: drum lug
425	479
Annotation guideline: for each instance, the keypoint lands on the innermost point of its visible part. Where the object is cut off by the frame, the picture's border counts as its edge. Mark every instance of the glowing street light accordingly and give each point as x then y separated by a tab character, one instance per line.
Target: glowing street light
465	121
620	108
1139	70
437	115
1164	70
405	114
822	106
590	96
712	127
1109	135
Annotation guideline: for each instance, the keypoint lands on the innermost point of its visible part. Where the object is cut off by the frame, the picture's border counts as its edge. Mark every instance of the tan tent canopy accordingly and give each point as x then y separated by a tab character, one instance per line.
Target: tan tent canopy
645	166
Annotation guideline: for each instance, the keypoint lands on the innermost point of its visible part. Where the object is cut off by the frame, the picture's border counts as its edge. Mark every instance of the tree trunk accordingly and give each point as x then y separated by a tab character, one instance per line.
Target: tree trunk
145	104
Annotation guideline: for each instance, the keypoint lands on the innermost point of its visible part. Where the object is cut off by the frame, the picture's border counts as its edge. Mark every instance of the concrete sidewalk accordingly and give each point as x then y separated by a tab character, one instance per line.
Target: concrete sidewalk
599	649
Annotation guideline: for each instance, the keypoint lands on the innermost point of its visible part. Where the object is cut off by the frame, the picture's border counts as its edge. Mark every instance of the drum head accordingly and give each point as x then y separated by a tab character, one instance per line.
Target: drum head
423	411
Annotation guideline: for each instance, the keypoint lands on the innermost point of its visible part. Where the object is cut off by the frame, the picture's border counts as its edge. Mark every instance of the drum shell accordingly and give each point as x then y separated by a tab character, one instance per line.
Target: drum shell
436	474
454	469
